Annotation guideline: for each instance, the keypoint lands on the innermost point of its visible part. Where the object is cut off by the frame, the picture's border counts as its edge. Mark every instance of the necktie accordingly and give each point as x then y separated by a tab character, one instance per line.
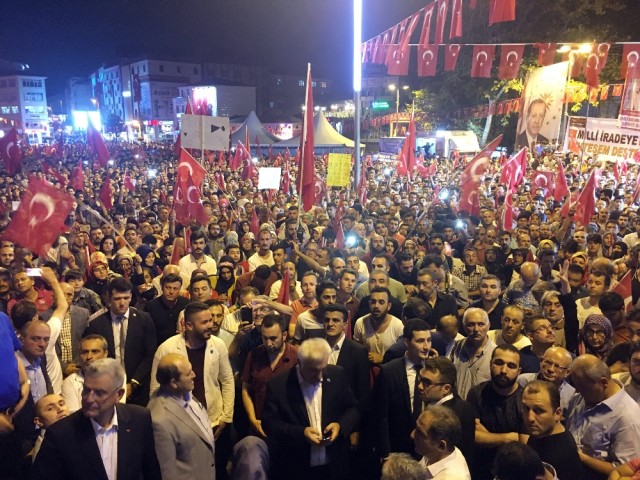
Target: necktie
123	337
417	401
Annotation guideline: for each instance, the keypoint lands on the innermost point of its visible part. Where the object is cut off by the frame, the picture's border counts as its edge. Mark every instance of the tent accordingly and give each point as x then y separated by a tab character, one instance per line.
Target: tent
326	139
256	131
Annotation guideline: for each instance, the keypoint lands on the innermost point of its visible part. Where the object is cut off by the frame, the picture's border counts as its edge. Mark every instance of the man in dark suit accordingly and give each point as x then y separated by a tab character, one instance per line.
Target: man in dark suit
131	336
396	399
309	414
438	387
166	308
68	344
105	440
536	111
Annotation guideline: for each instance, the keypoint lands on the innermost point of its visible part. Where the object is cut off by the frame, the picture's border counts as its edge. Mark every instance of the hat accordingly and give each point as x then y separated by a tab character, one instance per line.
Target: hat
548	244
581	255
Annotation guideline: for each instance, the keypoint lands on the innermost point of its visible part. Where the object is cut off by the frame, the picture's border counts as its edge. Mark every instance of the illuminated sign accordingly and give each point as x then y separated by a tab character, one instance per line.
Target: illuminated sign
379	105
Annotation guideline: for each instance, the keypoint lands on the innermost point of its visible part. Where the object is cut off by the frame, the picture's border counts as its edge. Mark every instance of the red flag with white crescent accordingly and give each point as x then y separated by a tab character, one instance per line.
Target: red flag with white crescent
187	165
561	187
510	61
471	178
501	11
41	214
482	60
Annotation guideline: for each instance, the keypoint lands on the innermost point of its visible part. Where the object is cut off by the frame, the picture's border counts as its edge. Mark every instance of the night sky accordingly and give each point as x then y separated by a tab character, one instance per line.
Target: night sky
63	38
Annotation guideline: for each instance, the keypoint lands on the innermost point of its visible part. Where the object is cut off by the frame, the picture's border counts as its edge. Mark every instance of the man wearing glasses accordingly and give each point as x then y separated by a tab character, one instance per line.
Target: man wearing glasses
543	337
122	433
438	387
555	367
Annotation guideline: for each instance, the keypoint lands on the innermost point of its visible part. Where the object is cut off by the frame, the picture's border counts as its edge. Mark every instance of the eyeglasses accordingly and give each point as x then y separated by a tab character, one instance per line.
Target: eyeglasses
428	383
595	333
548	363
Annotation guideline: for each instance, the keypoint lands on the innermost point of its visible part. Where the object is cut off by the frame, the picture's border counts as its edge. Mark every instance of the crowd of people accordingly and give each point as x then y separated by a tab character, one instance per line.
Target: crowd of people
382	334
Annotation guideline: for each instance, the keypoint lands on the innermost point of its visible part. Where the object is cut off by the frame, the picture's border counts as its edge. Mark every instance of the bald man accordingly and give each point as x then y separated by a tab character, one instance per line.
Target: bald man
49	409
521	292
181	428
603	419
555	367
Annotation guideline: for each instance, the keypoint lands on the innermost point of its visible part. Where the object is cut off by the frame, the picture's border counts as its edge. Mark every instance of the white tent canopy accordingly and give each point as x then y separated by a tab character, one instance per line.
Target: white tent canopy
257	131
324	136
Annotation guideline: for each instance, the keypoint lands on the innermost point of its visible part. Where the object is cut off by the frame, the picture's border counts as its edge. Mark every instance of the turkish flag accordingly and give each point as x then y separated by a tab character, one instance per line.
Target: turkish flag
254	224
188	110
510	61
189	165
39	217
398	58
441	18
306	181
546	53
630	57
248	168
95	141
427	60
451	54
77	178
471	178
507	215
285	288
502	11
388	38
105	195
544	180
623	288
128	183
561	188
426	24
575	64
10	152
586	202
595	62
376	48
410	142
456	19
514	169
187	203
48	169
220	181
482	60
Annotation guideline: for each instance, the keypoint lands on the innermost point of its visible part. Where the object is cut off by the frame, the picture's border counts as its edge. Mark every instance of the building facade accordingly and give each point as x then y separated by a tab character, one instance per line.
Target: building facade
23	104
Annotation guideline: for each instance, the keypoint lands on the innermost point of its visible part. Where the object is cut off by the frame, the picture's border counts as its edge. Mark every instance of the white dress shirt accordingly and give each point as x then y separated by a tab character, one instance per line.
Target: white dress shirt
411	378
452	467
117	326
335	351
107	439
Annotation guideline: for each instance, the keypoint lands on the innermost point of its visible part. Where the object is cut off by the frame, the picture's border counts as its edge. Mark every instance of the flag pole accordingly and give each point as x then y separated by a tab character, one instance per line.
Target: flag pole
202	138
304	142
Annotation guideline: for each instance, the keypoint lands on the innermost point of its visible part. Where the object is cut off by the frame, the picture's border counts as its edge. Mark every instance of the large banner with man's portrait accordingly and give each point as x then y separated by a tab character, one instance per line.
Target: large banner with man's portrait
540	117
630	105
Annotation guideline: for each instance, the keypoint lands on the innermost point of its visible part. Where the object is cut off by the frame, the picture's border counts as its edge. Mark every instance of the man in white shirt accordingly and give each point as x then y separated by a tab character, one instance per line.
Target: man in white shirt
197	258
92	347
122	434
435	436
512	328
264	255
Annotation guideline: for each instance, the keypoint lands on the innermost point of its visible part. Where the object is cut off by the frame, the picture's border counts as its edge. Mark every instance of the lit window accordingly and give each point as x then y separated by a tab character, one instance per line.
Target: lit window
301	83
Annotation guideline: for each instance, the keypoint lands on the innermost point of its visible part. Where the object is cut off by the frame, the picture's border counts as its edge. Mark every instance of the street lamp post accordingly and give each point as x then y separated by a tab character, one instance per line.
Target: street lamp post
394	88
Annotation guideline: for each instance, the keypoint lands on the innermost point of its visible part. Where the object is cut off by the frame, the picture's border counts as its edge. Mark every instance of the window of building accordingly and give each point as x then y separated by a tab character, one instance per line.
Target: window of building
195	70
301	83
161	68
15	109
144	68
33	97
178	69
5	110
323	84
34	109
313	84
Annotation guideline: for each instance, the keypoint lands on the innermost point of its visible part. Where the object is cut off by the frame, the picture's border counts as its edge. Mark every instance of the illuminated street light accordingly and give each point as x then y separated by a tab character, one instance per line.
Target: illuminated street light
393	88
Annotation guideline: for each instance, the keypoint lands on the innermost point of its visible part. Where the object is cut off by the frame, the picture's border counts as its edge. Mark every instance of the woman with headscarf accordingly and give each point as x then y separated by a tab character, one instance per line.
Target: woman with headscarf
595	336
149	259
248	245
225	282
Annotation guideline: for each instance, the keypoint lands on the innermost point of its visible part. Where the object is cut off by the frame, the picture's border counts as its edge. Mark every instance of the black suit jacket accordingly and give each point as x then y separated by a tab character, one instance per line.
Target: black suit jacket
285	418
139	349
393	417
467	416
354	358
70	450
521	139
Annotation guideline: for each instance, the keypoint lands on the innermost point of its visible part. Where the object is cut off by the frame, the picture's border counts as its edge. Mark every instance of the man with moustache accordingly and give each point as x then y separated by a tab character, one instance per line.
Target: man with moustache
542	415
542	336
555	367
499	406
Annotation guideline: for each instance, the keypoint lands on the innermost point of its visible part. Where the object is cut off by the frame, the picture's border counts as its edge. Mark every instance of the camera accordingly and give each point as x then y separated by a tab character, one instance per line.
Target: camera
350	241
246	314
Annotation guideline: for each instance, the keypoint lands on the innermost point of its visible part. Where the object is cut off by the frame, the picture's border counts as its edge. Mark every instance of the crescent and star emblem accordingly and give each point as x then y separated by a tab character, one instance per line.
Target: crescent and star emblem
187	166
482	54
512	62
454	50
189	199
44	200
